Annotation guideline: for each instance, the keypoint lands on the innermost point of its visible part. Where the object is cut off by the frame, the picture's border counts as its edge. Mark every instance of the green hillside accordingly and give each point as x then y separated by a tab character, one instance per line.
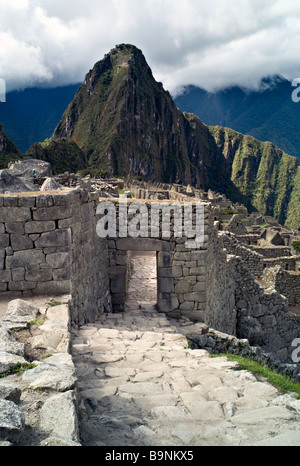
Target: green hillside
8	150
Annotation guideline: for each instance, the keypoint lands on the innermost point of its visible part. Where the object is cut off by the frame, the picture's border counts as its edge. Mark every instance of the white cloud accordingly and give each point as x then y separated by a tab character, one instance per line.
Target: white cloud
210	44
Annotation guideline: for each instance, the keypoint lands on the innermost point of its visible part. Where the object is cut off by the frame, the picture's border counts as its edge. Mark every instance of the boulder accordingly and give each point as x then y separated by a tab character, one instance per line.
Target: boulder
55	373
9	361
8	343
51	185
59	418
9	392
19	313
11	184
24	168
12	419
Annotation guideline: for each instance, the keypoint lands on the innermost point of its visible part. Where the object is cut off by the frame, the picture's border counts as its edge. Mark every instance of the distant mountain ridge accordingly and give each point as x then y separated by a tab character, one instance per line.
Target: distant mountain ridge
31	115
126	124
268	115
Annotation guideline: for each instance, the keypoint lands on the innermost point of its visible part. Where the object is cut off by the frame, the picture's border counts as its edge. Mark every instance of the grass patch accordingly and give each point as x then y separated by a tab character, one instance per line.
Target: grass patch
54	303
18	369
36	322
281	382
296	246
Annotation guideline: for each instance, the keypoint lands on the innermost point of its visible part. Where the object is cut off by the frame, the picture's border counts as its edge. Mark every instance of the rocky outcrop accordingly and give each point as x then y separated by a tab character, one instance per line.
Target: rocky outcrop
43	393
12	184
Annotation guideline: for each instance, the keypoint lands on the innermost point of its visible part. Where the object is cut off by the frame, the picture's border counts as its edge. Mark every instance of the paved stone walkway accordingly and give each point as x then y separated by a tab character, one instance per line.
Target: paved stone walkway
140	385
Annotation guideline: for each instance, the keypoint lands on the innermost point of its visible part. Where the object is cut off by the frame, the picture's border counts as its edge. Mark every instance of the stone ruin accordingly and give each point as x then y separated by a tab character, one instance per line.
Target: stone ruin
49	244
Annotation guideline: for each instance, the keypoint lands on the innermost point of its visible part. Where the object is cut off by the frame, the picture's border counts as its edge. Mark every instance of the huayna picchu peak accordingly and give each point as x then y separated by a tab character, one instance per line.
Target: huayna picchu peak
126	124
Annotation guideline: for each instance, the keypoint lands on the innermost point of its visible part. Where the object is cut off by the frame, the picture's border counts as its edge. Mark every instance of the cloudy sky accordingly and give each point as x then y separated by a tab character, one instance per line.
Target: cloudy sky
209	43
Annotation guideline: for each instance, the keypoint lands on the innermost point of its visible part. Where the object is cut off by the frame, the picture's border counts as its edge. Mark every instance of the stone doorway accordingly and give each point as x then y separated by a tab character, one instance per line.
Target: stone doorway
119	271
142	280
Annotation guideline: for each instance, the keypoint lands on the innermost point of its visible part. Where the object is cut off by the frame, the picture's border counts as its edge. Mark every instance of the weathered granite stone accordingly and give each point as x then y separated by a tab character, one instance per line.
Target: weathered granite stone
39	227
12	419
9	344
10	392
25	258
59	417
20	243
19	307
8	361
56	373
54	238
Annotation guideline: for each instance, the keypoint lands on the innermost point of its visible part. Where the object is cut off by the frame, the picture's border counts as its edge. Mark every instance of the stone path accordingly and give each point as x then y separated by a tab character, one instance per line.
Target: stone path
140	385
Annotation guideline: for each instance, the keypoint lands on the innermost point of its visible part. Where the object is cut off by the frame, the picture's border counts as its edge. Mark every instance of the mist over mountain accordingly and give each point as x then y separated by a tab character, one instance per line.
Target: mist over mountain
269	114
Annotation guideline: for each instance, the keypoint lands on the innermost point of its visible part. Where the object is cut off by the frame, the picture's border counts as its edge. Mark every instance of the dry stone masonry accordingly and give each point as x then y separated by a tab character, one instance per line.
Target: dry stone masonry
49	244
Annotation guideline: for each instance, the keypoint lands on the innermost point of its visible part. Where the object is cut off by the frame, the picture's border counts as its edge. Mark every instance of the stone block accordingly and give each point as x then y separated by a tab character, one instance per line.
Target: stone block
54	239
10	201
165	285
164	259
15	214
197	270
21	286
2	258
168	305
183	256
200	286
177	271
4	241
44	200
2	228
44	275
118	298
52	213
5	276
183	287
16	228
18	274
199	297
117	270
55	287
118	284
62	274
39	227
21	243
58	260
26	201
25	259
166	272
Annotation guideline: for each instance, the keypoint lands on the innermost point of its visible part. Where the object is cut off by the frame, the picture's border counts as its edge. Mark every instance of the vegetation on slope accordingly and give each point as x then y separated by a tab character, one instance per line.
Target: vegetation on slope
8	150
267	177
63	154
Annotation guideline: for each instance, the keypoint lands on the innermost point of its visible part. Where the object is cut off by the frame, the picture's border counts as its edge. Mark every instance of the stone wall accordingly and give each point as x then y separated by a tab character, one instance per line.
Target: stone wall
286	283
253	260
181	277
49	246
237	305
272	252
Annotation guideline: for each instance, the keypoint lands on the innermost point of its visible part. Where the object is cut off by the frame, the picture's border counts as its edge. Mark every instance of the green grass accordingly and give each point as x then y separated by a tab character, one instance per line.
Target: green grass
18	369
283	383
54	303
296	246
